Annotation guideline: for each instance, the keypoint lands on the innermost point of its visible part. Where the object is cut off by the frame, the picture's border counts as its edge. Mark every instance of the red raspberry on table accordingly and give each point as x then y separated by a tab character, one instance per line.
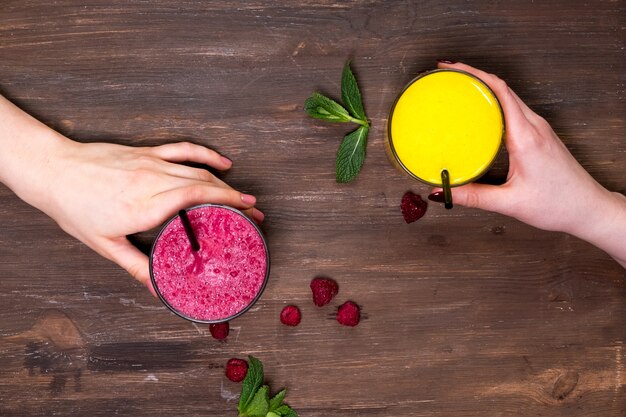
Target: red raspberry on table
219	331
413	207
349	314
290	316
324	289
236	369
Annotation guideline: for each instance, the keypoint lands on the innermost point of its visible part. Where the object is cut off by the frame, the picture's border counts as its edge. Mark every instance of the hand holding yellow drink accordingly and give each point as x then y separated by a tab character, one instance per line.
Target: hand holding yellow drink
445	129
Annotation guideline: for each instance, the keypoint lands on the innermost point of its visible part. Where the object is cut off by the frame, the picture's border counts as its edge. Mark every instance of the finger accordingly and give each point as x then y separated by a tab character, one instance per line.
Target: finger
482	196
167	203
493	81
219	183
183	171
135	262
530	115
173	175
257	215
186	151
515	118
169	181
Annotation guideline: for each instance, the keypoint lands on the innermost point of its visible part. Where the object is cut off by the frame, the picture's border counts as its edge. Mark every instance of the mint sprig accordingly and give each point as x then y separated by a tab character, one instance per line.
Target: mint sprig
351	153
255	401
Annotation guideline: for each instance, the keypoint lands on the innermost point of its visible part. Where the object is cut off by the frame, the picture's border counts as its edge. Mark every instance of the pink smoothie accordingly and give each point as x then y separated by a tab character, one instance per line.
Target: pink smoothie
220	280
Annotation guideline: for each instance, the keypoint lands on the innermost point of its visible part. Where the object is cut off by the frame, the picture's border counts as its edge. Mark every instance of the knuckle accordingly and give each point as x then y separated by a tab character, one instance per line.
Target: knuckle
141	174
499	84
144	159
211	153
541	122
196	174
136	272
143	163
231	197
167	148
126	205
196	192
472	199
499	81
204	175
537	139
187	147
133	270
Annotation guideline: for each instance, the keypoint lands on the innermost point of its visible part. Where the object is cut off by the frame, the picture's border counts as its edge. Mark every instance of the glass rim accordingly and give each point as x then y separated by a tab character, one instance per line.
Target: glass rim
239	313
393	107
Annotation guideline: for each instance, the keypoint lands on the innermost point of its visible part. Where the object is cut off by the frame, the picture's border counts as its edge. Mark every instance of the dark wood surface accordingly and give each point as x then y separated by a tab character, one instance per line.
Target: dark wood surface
467	313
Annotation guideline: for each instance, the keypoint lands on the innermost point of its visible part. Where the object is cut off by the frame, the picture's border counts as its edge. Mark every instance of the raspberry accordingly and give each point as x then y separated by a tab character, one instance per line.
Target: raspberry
324	289
413	207
219	331
236	369
349	314
290	316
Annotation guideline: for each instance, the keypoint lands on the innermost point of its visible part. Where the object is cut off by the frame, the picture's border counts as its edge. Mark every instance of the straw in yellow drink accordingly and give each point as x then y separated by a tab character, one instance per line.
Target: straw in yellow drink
445	122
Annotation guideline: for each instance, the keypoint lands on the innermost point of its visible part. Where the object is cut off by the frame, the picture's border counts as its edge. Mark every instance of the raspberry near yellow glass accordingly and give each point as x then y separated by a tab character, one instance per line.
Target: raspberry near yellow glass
445	120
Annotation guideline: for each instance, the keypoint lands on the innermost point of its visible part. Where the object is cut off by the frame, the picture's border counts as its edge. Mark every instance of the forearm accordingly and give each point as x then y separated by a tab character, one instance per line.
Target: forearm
605	226
27	149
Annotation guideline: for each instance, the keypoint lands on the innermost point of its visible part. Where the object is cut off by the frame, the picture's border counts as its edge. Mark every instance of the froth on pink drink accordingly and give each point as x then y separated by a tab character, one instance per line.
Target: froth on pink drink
221	280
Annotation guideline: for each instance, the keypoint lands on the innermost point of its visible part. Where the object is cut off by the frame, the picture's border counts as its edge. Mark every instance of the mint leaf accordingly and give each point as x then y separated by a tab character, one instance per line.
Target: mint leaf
286	411
272	414
321	107
351	155
283	410
251	384
350	93
277	401
259	406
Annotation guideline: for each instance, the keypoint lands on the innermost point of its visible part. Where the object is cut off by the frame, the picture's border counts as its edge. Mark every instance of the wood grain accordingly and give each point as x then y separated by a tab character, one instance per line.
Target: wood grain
467	313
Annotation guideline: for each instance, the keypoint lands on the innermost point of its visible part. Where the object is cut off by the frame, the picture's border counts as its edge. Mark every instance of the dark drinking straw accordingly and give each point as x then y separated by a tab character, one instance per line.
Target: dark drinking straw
447	191
195	246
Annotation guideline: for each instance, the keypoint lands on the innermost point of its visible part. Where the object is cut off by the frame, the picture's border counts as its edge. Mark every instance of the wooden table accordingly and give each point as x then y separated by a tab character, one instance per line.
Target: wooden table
467	313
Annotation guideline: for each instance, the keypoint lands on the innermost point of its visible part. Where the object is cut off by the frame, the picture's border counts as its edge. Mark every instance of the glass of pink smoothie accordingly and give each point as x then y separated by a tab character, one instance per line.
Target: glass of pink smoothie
221	280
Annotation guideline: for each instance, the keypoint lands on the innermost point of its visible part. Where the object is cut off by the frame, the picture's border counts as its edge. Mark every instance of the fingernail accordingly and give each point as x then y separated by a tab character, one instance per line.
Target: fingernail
437	197
248	199
226	161
258	215
446	61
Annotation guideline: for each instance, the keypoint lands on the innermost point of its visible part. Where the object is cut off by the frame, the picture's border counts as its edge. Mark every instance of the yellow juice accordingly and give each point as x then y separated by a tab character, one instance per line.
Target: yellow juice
446	120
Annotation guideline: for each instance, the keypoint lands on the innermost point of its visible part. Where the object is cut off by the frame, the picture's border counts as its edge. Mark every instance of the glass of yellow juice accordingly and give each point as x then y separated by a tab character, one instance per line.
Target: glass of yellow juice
445	129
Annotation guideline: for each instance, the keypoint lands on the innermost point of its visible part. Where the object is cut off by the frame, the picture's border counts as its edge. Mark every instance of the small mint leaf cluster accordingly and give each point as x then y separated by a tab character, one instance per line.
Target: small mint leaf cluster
351	153
255	400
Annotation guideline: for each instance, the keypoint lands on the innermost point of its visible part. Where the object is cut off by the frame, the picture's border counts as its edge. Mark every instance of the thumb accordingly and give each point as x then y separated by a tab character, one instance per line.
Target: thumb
482	196
135	262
